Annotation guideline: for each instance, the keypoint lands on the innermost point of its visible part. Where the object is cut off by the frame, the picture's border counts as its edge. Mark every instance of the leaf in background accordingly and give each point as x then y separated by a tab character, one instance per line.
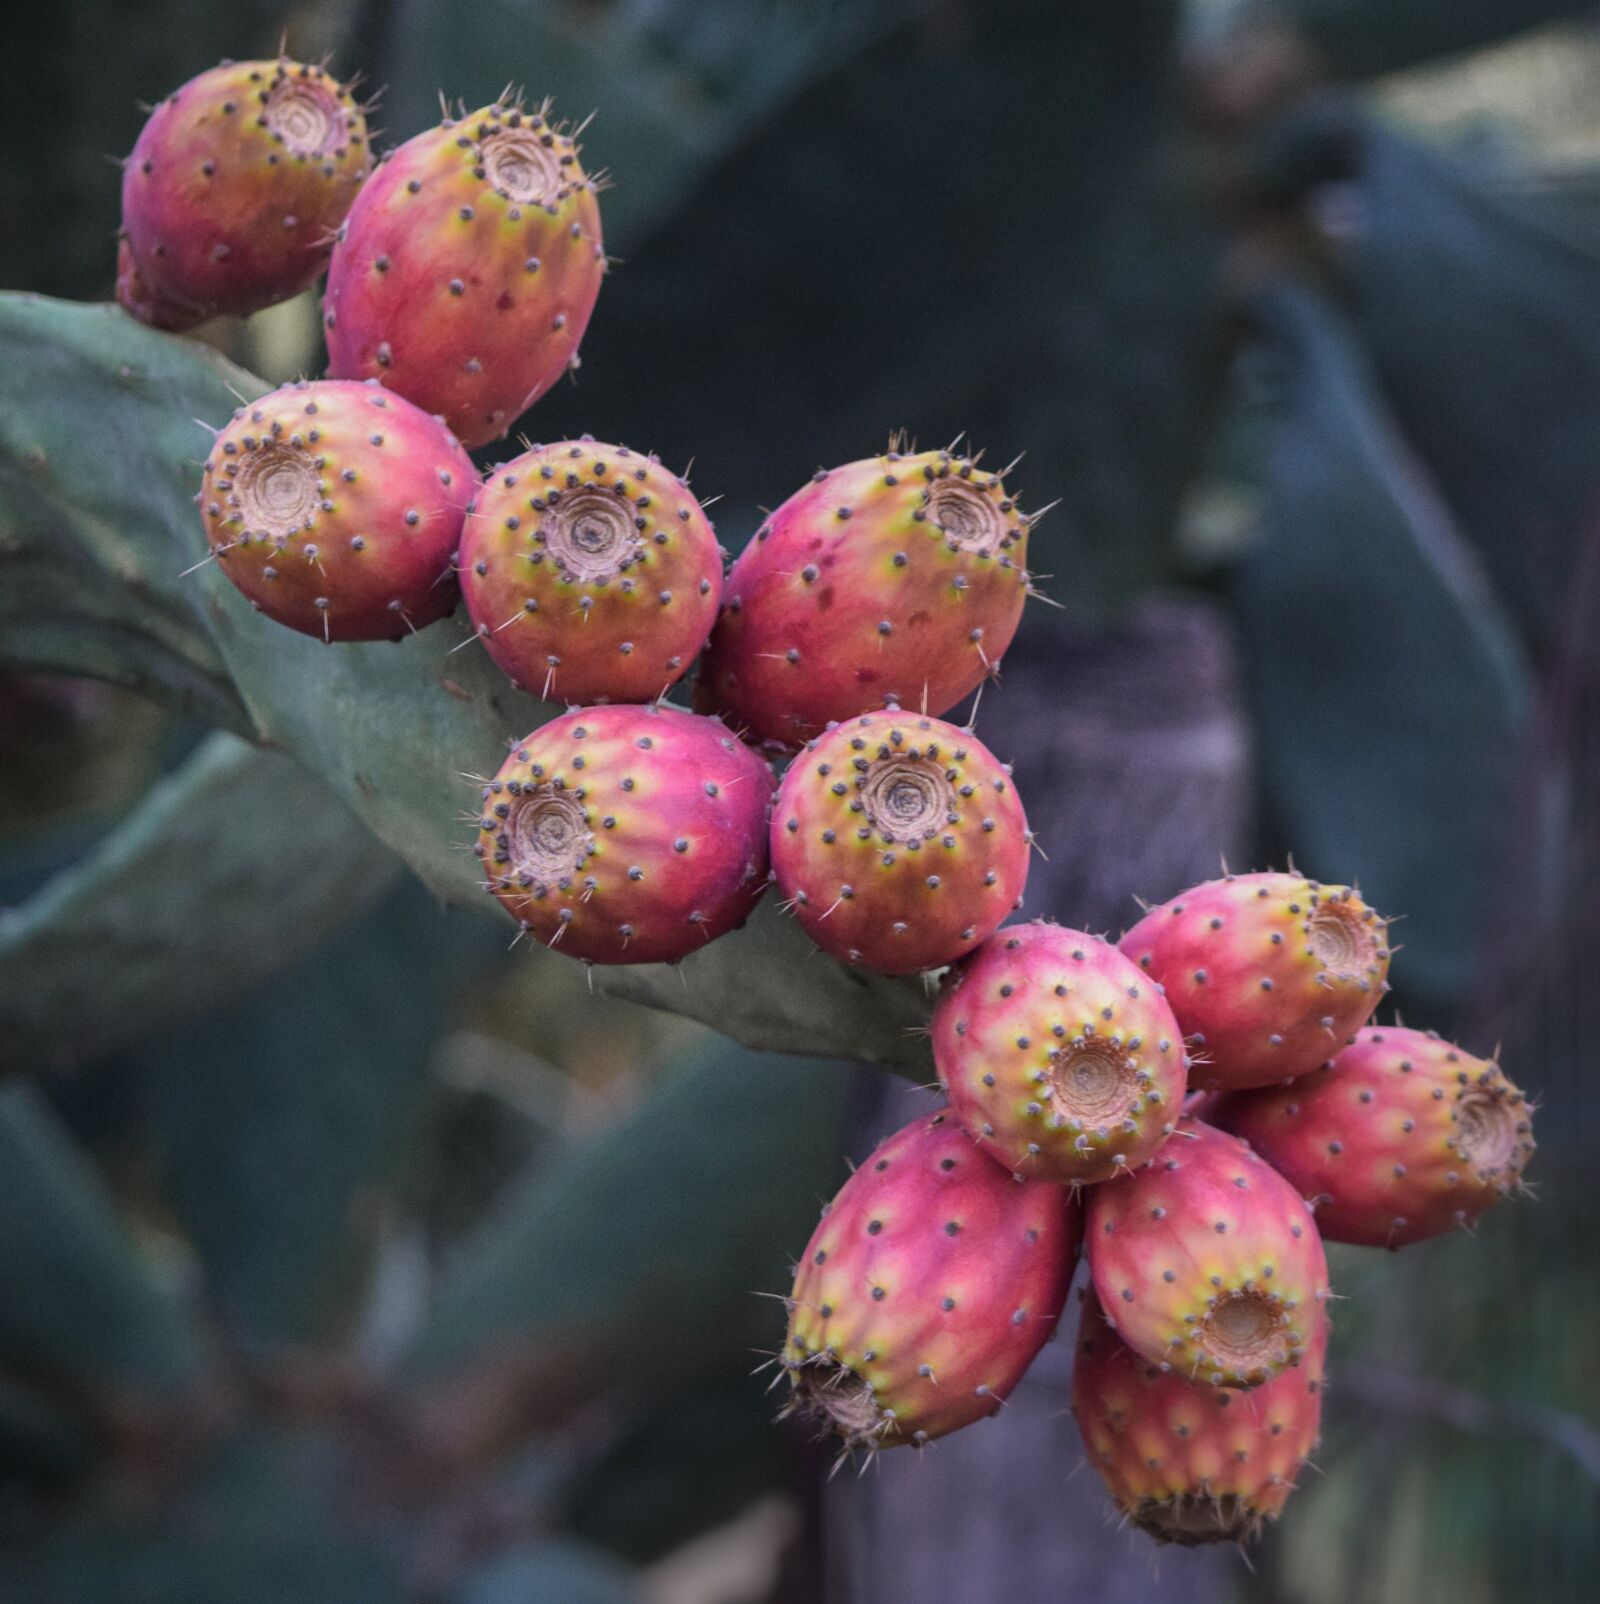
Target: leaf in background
1062	307
82	1312
88	551
673	83
282	1124
1483	322
637	1263
394	730
555	1572
1360	38
228	869
686	1463
1388	689
262	1519
40	1443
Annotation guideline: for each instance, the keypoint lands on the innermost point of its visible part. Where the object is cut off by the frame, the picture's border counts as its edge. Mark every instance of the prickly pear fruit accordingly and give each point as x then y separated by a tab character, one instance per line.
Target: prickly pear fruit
336	508
591	573
1399	1138
900	578
234	190
465	273
1207	1260
1268	973
627	835
1059	1055
932	1282
899	841
1192	1464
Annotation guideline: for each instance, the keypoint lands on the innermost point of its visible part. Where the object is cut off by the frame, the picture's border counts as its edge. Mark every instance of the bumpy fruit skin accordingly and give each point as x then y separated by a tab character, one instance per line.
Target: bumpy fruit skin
1208	1260
235	189
627	835
466	272
590	572
1267	973
1400	1137
932	1282
1191	1464
336	508
899	842
1059	1055
899	578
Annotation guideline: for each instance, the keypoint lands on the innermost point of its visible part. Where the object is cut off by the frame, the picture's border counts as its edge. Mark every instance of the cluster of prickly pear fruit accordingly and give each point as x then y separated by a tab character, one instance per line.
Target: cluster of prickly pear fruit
1068	1062
628	831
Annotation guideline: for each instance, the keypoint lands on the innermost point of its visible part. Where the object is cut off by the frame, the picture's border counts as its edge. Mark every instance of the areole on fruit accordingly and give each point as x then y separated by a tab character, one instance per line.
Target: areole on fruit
907	798
588	534
1246	1331
1093	1081
549	834
276	491
972	519
1342	941
1487	1130
307	115
520	166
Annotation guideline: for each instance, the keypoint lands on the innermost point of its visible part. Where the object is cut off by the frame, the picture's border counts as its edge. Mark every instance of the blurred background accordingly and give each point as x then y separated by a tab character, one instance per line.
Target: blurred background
347	1255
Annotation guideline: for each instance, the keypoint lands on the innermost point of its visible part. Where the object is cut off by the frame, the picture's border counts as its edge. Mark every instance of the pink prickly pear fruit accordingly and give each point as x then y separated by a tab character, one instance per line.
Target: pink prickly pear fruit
931	1284
900	578
234	191
465	273
899	841
1207	1260
591	573
1400	1137
336	509
1059	1055
627	834
1192	1464
1267	973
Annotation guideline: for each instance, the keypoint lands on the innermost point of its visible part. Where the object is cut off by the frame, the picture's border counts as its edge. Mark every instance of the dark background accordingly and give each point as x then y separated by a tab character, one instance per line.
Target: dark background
345	1255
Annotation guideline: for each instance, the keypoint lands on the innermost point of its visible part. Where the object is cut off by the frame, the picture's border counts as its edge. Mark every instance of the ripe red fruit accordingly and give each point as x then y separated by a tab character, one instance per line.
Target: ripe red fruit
1192	1464
1207	1260
590	572
465	275
234	190
1059	1055
900	578
1401	1137
899	841
932	1282
336	509
627	834
1267	973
